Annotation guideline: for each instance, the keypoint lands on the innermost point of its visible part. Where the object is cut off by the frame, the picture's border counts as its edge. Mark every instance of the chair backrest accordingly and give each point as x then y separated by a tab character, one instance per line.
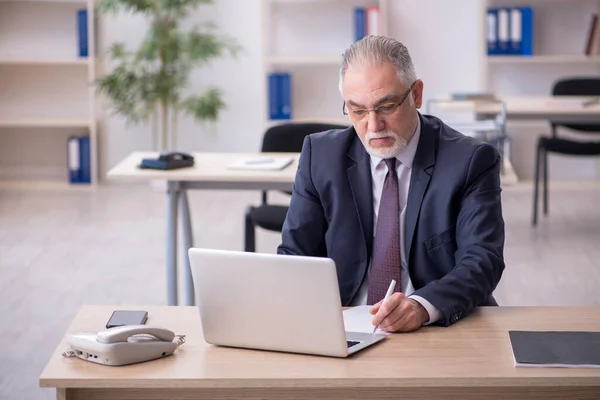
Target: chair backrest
577	87
288	138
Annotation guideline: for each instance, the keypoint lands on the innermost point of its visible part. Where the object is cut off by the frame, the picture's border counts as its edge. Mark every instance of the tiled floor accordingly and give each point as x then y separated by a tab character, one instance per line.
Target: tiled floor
62	249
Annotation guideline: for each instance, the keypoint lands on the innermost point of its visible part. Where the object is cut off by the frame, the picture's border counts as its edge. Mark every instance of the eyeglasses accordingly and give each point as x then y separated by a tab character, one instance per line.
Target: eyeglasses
384	109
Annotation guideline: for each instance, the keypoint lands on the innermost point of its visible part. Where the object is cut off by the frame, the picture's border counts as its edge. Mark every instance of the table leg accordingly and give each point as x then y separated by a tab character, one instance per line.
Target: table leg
188	242
172	202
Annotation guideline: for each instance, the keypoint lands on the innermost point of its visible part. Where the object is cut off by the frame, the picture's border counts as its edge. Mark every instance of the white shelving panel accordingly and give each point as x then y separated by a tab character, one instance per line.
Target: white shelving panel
321	119
79	2
46	91
307	39
303	60
44	123
548	59
56	61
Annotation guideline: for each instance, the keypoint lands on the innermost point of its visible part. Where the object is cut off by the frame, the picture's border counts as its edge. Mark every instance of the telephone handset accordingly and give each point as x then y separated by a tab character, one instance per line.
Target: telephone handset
123	333
124	344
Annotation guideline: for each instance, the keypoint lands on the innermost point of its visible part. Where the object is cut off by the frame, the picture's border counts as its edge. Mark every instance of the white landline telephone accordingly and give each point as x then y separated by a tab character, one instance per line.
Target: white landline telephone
123	345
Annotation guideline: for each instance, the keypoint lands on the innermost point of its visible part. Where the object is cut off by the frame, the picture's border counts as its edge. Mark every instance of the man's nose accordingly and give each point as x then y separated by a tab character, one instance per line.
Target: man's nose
375	122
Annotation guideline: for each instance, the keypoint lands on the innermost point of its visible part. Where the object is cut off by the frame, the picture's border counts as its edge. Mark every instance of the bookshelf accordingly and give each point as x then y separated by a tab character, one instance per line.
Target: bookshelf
307	38
561	29
46	94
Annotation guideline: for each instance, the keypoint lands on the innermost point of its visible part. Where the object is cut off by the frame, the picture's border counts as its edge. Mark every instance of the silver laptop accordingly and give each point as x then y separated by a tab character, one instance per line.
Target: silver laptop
272	302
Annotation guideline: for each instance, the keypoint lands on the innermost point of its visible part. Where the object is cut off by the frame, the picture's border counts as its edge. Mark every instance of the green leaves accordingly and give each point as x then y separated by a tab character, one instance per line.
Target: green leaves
204	107
175	8
201	45
159	70
180	8
132	91
136	6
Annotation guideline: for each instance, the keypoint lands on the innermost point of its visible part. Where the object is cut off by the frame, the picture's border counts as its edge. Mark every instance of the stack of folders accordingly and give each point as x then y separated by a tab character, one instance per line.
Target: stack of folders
510	31
82	32
78	160
366	22
280	95
560	349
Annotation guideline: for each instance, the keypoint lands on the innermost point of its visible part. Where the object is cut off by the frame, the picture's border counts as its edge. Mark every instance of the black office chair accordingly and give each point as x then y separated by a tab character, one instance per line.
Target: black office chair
554	144
285	138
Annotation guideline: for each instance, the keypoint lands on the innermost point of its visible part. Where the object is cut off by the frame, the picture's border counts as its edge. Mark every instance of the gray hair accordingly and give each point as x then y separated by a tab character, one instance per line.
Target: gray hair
372	50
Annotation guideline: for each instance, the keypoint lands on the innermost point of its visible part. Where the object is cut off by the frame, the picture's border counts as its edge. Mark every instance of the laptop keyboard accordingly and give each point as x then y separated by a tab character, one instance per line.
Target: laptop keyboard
351	343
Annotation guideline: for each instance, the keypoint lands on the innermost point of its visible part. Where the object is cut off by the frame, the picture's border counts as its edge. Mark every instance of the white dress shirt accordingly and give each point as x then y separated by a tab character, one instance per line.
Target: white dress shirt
403	169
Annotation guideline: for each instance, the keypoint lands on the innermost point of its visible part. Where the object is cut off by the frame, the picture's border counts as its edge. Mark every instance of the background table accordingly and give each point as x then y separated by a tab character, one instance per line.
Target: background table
211	171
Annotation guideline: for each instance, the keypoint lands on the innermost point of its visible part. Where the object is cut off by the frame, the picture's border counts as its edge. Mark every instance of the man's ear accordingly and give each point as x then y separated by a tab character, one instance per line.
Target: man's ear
417	93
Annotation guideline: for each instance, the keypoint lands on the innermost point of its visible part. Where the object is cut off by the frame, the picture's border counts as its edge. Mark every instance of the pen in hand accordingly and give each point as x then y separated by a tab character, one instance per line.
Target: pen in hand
387	295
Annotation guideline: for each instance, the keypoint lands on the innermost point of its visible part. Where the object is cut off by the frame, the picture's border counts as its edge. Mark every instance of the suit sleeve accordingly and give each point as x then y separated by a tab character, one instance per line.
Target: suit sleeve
305	224
480	242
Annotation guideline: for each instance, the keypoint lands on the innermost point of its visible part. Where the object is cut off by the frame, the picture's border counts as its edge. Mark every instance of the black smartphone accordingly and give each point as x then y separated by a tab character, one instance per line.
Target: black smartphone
127	317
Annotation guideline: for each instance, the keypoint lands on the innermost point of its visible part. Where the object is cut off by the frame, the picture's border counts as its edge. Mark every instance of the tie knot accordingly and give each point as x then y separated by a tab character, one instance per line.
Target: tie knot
391	164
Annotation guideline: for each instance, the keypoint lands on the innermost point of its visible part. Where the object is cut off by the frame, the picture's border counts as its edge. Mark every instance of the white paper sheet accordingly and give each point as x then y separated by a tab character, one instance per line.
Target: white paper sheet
359	319
265	163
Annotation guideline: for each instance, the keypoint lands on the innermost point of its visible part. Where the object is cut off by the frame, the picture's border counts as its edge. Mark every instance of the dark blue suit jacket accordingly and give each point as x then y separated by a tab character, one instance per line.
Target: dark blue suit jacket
454	229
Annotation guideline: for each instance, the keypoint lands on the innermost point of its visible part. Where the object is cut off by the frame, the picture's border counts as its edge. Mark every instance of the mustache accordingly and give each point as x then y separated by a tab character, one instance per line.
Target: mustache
379	135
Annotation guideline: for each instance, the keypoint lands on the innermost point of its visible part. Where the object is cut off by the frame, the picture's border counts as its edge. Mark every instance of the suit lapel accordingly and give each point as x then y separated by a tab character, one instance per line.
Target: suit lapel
419	181
359	175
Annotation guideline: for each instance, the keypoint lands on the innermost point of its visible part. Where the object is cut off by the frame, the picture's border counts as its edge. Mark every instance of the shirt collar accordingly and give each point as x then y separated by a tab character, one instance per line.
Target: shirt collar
406	155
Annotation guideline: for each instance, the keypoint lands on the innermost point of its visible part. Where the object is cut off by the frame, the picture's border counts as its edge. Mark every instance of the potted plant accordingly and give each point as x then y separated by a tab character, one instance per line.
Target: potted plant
147	84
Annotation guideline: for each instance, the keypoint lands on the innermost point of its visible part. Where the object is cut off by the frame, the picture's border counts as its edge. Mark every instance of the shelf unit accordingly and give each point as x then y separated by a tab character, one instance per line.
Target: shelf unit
307	39
561	29
560	32
46	91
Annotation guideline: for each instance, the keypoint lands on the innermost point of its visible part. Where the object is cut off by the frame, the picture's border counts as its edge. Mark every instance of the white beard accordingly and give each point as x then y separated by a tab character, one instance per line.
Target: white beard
384	152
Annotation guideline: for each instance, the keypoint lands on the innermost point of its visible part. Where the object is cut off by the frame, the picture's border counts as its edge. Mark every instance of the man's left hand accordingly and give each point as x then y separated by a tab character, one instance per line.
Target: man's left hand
399	314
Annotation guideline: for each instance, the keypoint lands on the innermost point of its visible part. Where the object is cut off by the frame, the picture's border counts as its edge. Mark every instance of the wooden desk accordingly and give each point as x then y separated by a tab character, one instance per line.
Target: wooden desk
469	360
209	172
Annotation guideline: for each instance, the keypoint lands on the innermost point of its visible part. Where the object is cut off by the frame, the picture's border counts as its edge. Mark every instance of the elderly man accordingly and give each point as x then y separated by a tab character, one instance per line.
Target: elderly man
398	196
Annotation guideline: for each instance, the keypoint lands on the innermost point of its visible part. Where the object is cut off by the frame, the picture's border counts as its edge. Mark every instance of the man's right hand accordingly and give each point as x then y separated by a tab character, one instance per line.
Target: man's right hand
399	313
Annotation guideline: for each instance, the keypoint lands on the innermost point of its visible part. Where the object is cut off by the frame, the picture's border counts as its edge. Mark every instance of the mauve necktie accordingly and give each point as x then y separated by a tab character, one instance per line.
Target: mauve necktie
385	263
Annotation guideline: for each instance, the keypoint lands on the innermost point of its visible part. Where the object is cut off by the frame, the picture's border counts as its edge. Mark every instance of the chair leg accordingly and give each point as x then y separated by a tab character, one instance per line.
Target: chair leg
545	156
536	181
249	232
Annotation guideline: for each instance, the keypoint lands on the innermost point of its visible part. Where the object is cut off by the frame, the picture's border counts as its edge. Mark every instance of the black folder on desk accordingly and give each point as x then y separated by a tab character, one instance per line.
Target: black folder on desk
556	349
